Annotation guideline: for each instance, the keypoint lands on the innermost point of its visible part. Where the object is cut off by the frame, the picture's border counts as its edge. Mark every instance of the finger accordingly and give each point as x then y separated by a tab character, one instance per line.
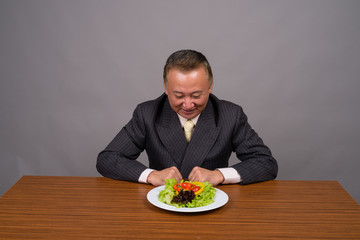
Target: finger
195	174
155	178
175	173
178	176
191	175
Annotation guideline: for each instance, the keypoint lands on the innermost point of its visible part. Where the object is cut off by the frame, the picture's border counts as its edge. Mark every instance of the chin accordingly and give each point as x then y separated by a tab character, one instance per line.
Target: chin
188	116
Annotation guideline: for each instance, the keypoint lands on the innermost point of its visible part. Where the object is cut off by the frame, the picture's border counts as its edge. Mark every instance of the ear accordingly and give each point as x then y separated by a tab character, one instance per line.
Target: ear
211	87
166	92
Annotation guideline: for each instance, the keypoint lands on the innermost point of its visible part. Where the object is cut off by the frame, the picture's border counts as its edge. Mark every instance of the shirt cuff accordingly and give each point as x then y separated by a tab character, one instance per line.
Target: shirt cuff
230	175
144	175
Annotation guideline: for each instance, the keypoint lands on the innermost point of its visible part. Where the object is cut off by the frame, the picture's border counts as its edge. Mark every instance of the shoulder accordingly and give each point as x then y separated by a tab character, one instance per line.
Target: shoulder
151	107
224	106
154	102
228	113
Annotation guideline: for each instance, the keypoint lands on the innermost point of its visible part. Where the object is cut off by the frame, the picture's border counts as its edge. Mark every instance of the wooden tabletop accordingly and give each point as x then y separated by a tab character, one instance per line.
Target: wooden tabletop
39	207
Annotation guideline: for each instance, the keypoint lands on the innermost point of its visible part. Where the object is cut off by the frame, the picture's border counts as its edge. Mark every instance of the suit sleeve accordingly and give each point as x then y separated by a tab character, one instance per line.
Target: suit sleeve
257	163
118	159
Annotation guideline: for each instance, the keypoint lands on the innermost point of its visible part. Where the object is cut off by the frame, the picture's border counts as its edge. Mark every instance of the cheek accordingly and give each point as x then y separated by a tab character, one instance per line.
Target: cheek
176	102
200	103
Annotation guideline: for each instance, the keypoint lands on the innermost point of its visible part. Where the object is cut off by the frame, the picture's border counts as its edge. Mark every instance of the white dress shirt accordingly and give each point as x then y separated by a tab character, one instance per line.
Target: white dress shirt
230	174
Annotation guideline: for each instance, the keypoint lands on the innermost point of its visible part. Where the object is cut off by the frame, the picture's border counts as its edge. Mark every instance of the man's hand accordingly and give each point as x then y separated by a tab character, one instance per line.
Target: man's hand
157	178
199	174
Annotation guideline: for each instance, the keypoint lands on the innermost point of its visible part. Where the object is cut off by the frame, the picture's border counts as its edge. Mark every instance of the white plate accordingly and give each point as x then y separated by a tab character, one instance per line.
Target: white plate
220	199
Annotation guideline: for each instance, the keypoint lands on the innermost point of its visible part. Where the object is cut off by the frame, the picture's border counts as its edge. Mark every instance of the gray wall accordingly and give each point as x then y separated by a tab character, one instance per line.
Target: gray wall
71	73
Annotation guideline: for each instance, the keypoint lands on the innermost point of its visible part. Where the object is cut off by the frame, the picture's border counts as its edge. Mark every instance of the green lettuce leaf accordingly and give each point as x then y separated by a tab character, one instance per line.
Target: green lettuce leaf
204	198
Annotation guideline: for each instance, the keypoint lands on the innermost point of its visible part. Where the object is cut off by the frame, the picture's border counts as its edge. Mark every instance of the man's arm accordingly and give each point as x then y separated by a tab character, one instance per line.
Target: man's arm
257	163
118	159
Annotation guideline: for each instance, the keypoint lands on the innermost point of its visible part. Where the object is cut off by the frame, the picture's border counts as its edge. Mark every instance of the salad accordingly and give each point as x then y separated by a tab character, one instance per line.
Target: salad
187	194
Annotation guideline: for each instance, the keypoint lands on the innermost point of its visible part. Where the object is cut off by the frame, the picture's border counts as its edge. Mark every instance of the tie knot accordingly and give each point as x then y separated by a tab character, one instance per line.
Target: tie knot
189	125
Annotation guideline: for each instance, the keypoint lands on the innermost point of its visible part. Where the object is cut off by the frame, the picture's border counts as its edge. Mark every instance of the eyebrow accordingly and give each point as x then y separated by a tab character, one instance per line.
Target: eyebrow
195	92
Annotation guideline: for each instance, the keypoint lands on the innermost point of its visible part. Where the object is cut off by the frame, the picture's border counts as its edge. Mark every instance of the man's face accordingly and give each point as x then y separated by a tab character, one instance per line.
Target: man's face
188	92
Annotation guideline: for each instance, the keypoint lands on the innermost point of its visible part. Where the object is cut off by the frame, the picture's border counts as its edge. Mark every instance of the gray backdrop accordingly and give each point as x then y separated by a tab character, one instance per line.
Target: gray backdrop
71	73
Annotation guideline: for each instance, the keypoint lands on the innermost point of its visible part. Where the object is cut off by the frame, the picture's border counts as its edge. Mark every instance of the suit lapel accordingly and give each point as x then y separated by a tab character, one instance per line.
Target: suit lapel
171	134
203	139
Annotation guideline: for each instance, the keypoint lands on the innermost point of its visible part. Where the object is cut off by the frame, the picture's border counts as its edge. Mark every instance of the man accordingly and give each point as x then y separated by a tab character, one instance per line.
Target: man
201	153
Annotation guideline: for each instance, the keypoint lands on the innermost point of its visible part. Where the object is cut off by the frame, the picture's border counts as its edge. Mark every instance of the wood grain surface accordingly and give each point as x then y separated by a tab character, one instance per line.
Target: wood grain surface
40	207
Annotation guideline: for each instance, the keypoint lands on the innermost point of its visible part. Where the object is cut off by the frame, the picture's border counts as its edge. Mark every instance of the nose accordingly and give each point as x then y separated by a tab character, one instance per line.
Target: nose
188	104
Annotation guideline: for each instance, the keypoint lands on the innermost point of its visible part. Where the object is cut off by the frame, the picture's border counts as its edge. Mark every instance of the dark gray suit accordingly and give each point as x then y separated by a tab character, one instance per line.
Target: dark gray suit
222	128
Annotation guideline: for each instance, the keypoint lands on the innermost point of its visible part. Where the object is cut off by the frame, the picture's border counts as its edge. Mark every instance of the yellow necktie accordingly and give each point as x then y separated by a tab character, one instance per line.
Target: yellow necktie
188	127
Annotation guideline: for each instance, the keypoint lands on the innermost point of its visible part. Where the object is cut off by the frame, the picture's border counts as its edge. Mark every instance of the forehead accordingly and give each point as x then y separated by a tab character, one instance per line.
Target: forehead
188	77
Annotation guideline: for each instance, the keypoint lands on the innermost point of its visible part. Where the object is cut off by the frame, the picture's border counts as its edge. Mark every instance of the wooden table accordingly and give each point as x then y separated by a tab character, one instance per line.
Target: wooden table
38	207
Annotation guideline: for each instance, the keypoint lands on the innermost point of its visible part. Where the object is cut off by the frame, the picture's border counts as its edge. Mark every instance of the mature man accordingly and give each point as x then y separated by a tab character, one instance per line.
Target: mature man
177	148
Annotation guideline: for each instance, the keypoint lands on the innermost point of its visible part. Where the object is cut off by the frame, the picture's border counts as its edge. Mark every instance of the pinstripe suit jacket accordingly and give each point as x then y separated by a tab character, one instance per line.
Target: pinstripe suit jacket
222	128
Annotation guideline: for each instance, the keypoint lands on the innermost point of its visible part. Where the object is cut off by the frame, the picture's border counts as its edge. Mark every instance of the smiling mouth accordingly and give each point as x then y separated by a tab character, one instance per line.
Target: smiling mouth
188	111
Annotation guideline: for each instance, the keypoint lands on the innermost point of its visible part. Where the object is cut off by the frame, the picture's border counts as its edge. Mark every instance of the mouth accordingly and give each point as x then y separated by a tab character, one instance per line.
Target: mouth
188	112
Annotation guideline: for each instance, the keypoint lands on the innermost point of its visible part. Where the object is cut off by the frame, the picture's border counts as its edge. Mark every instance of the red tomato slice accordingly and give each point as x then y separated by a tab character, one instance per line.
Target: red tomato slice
186	185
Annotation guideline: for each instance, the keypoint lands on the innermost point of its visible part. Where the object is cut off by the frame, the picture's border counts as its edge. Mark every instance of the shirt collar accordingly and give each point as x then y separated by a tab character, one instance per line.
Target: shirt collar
183	120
